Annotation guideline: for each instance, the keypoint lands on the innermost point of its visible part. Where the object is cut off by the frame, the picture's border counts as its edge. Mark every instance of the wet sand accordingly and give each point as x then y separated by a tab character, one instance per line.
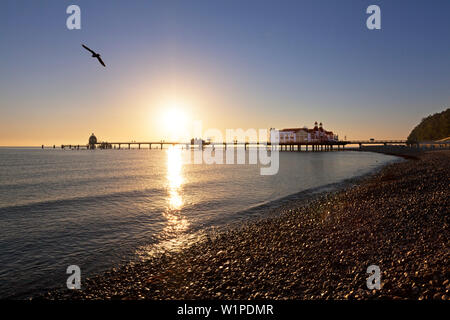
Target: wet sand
397	219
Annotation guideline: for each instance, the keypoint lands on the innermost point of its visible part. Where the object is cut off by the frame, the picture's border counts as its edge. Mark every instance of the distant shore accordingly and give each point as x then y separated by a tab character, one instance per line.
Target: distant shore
397	219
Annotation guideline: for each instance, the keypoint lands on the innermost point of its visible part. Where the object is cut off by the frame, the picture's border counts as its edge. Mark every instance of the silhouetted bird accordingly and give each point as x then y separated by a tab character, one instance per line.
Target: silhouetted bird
94	55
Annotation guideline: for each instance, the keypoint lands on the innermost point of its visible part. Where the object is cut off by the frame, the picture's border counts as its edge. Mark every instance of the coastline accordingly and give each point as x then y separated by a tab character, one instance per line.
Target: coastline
395	218
302	198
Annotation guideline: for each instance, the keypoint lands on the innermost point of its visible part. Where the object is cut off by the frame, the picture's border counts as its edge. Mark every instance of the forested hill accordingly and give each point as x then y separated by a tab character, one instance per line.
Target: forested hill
431	128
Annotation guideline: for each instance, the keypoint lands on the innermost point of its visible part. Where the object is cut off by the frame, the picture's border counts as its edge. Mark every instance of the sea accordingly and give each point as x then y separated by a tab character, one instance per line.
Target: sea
99	209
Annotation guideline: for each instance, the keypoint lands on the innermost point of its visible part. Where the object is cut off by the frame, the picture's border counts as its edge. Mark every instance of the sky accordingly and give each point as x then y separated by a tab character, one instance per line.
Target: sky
230	64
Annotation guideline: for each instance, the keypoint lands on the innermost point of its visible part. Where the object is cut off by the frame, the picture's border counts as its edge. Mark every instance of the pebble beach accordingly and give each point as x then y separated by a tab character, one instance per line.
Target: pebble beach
397	219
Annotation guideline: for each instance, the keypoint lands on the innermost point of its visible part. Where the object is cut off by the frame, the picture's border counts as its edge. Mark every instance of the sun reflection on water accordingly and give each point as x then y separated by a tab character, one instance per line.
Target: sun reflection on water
176	221
174	235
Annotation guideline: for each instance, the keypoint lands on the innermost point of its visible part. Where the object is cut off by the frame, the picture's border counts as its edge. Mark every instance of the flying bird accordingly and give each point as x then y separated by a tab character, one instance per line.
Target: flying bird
94	55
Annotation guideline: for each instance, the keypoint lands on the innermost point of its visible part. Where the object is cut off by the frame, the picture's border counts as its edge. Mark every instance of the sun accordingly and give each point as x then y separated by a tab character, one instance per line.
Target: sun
174	118
175	122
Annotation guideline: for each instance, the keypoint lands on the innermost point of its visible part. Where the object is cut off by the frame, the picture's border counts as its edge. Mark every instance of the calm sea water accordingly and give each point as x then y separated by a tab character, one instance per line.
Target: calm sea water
99	209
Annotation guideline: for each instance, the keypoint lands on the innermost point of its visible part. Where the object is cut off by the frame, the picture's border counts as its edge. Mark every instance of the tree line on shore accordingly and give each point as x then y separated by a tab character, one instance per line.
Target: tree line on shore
432	128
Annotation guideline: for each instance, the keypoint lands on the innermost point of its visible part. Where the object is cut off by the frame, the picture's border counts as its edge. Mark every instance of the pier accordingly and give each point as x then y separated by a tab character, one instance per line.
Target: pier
321	143
295	146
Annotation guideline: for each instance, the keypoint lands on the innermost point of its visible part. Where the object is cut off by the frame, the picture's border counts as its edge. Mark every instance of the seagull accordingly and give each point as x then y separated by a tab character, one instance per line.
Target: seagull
94	55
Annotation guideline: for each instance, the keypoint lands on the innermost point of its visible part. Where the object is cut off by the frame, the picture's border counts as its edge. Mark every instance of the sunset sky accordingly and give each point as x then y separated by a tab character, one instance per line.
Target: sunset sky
231	64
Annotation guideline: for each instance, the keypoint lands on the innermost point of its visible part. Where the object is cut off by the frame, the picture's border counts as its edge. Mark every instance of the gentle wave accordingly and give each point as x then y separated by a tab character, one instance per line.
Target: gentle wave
116	196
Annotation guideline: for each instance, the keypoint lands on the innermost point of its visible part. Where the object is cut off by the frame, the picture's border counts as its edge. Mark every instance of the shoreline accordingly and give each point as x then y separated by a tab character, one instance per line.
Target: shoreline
274	208
317	250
